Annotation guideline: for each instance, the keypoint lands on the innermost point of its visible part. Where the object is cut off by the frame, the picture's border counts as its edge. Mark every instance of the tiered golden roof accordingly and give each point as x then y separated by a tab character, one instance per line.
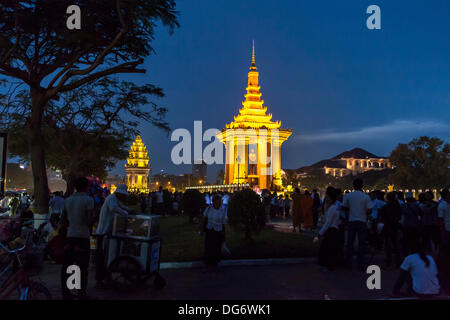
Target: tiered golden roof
253	114
137	156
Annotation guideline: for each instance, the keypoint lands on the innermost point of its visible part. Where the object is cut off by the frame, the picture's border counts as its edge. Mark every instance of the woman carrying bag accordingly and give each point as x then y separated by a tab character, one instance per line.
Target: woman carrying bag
213	226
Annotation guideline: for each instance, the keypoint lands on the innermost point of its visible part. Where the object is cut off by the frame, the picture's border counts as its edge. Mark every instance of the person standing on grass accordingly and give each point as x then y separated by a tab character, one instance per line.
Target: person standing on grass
287	205
359	206
444	217
390	215
326	203
225	200
159	195
213	227
77	215
430	222
56	205
329	248
306	202
316	207
281	205
208	199
443	259
296	209
410	221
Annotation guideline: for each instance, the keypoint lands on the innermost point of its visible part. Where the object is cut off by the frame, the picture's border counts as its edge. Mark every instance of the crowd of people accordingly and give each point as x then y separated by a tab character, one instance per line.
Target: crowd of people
414	235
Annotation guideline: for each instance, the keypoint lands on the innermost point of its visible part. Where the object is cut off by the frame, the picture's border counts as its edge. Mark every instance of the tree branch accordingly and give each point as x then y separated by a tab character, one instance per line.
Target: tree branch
128	67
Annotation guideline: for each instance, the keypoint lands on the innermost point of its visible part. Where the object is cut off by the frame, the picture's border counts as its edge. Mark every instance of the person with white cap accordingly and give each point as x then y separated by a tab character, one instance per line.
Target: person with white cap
112	205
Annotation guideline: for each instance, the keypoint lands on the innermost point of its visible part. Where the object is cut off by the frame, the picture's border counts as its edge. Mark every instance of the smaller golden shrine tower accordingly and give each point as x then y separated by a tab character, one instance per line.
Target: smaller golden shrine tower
137	167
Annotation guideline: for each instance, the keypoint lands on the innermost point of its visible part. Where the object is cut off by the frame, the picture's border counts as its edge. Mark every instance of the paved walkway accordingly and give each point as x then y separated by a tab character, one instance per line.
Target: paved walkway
280	282
285	225
284	282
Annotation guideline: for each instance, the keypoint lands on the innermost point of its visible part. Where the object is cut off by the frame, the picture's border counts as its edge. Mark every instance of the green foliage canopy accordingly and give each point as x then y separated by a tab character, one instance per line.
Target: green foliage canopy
246	212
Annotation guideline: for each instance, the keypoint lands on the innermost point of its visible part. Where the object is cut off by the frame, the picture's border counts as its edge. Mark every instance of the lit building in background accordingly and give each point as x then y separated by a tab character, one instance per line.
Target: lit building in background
137	167
354	162
253	141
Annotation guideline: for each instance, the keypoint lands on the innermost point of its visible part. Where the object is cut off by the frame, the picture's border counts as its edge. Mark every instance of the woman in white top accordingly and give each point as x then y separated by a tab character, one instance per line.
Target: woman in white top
329	247
213	225
420	273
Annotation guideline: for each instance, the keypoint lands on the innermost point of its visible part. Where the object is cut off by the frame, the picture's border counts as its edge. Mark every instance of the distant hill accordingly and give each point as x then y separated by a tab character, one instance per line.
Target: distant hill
356	153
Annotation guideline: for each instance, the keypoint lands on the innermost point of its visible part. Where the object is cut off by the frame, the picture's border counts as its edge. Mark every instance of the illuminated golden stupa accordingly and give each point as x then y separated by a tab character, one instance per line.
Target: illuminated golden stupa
137	167
253	141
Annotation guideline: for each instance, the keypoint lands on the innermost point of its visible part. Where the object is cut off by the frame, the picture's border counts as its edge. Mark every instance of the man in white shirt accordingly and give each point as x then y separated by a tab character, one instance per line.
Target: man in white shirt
159	195
112	205
377	198
359	206
56	204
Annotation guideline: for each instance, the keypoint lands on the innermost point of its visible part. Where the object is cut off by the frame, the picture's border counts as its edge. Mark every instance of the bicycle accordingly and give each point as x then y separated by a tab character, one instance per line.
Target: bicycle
16	278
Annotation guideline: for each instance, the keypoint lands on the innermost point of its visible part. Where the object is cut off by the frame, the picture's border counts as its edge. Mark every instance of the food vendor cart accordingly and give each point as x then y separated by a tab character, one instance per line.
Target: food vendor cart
133	251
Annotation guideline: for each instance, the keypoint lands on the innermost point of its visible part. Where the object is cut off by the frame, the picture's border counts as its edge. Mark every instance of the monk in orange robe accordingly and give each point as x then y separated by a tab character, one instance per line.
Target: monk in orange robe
296	209
306	204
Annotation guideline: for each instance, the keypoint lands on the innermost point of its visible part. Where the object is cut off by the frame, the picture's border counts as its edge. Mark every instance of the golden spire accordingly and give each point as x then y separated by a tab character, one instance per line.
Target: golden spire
253	114
253	67
138	155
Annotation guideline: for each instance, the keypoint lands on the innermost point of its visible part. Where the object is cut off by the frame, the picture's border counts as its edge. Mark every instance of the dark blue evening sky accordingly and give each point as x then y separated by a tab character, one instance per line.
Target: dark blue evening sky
337	84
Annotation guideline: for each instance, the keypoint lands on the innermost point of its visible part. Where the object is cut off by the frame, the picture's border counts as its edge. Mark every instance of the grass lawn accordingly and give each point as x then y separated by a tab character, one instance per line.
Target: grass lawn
181	242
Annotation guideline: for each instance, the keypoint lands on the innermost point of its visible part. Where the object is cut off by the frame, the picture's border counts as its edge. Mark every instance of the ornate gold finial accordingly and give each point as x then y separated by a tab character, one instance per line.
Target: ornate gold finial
253	67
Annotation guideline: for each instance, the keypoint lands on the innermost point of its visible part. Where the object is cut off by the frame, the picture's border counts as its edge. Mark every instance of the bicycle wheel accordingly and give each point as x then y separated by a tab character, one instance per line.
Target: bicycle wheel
159	282
38	291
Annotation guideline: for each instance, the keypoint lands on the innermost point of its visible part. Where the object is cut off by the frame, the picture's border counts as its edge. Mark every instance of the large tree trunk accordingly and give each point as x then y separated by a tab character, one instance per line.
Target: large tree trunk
36	147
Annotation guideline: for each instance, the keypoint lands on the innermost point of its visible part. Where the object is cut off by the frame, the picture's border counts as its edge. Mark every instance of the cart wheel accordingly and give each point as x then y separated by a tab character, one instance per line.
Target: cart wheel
38	292
159	282
124	270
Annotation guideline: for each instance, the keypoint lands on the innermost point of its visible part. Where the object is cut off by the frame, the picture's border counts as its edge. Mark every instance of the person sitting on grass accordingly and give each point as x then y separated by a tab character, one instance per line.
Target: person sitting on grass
419	273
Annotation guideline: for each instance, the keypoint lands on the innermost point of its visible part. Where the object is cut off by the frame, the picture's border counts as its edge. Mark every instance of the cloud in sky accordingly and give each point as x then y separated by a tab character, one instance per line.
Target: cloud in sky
398	128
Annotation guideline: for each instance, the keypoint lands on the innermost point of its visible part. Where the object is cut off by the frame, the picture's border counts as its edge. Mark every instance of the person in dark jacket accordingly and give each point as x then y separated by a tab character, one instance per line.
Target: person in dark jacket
430	223
390	215
316	207
411	216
